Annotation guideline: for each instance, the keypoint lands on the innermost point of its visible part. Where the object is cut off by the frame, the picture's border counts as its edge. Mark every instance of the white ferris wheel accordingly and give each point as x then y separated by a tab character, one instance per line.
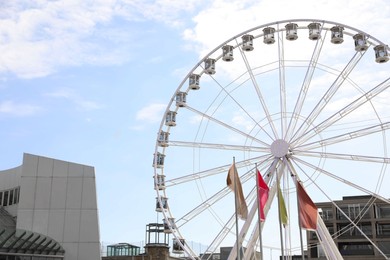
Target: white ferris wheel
297	99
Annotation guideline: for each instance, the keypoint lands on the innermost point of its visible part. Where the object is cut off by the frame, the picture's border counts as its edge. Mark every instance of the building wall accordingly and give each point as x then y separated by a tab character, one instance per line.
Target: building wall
152	252
350	241
58	199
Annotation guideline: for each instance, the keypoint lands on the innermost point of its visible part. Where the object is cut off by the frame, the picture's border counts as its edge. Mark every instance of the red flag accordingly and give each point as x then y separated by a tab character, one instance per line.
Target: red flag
263	194
307	209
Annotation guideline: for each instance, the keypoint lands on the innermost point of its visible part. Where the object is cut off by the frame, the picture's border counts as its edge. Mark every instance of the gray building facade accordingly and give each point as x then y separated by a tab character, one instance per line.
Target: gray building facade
372	216
48	210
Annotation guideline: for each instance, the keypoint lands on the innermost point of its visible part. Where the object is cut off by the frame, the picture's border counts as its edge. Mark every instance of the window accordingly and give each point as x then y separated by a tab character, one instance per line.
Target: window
385	247
330	229
353	211
356	248
11	197
16	196
326	213
313	251
383	229
122	249
349	230
5	199
382	211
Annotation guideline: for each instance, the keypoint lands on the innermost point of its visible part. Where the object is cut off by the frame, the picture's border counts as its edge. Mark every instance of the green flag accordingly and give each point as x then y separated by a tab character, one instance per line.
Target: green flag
282	208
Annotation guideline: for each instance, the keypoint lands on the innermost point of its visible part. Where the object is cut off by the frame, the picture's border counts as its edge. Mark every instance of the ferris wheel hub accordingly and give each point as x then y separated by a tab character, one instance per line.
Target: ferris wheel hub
279	148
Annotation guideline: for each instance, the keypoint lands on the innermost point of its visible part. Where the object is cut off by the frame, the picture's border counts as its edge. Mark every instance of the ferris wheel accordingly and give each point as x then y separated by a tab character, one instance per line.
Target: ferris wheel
298	99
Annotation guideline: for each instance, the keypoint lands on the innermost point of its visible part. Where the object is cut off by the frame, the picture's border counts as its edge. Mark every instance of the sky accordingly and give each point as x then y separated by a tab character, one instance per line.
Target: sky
89	81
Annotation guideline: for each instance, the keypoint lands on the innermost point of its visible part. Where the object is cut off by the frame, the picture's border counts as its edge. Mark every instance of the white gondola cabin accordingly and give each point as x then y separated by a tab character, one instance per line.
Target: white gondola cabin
247	42
314	31
269	35
227	53
209	66
181	99
170	118
337	34
163	139
158	160
159	182
381	53
360	42
193	81
163	205
176	246
291	31
169	224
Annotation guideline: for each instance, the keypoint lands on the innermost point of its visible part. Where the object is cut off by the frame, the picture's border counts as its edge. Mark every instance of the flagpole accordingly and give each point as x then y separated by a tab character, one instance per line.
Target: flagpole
259	207
280	220
236	206
299	225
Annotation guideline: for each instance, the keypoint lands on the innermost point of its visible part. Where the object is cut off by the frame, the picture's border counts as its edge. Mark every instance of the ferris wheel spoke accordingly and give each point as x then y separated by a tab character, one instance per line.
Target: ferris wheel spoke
217	170
345	137
219	146
223	89
282	83
349	157
357	103
259	94
215	244
328	95
342	180
214	199
202	207
227	126
305	87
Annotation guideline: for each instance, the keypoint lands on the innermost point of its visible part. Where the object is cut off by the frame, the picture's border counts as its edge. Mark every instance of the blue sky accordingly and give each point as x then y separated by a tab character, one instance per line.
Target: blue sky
88	81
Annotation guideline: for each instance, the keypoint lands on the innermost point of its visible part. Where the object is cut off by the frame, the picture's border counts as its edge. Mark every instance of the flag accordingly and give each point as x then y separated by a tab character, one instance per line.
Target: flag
307	209
282	208
263	194
242	209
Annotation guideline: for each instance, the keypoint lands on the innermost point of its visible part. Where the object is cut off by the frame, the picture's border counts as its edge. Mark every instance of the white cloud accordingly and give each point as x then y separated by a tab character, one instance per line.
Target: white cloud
170	12
75	98
242	122
152	113
37	37
9	107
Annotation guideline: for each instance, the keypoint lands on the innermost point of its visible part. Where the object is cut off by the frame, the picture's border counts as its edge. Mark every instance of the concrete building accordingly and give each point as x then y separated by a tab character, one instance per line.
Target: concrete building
48	210
372	216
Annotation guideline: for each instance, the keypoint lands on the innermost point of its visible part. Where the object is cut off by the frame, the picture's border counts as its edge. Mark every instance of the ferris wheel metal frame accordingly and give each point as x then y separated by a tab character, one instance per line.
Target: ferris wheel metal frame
281	137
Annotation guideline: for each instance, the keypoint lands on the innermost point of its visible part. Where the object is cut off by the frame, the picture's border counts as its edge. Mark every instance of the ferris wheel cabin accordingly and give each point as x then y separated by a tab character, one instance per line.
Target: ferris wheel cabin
291	31
269	35
337	34
247	42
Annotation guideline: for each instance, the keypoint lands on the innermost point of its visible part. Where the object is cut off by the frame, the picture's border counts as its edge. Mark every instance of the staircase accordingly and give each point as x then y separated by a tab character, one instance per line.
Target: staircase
6	220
